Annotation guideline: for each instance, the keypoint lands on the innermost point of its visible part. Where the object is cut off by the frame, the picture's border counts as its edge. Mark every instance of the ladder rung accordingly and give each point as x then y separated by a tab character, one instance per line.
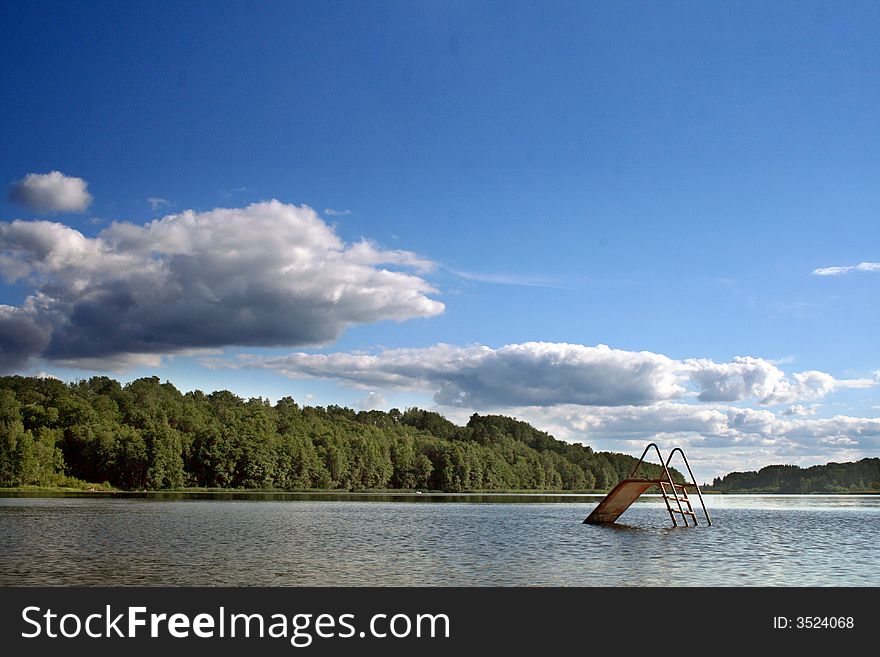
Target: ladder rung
687	513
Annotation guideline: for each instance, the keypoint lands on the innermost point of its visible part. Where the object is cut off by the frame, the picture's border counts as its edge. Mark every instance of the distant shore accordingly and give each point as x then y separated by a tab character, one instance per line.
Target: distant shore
100	490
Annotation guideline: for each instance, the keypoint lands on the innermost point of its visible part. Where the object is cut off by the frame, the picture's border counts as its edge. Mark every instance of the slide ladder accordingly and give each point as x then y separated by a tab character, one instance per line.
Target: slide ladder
675	495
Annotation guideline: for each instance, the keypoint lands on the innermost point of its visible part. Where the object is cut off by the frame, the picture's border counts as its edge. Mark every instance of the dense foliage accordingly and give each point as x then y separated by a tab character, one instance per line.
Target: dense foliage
831	478
148	435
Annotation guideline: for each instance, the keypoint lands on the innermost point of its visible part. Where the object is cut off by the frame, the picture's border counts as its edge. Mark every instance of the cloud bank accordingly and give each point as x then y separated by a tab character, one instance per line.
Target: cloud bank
716	425
270	274
743	413
550	374
718	438
48	193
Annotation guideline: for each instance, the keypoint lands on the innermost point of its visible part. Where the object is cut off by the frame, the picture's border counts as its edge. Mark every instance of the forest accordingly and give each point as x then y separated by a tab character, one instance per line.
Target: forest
861	475
147	435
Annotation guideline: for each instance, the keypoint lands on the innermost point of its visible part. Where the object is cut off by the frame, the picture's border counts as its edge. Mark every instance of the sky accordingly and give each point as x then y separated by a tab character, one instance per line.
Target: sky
620	222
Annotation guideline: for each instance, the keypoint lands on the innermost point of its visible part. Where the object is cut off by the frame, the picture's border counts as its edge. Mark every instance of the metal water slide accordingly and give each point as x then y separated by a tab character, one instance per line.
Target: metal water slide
674	495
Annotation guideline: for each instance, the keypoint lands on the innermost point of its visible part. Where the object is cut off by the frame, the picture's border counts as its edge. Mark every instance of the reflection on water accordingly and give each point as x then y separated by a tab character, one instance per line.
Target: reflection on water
457	540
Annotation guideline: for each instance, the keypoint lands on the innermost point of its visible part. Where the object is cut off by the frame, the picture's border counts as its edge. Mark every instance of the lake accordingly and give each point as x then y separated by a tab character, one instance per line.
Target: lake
434	540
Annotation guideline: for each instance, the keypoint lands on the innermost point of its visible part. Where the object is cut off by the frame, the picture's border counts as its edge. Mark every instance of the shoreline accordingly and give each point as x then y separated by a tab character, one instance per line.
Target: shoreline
366	495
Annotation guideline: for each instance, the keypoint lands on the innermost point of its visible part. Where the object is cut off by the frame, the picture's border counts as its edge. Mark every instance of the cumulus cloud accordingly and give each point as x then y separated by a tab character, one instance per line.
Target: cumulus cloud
269	274
330	212
671	420
800	409
846	269
20	335
47	193
478	376
718	438
372	401
549	374
730	415
756	378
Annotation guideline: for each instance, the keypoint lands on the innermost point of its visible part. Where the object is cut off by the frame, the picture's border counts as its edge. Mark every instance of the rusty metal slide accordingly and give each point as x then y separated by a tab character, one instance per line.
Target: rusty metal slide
619	500
628	491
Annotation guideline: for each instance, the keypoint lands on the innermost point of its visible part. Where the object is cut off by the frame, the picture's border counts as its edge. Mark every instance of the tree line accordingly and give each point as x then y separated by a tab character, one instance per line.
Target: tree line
148	435
861	475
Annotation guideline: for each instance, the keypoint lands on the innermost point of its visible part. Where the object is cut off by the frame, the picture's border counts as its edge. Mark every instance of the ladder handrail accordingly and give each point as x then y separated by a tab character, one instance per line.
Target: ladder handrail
693	480
669	479
645	453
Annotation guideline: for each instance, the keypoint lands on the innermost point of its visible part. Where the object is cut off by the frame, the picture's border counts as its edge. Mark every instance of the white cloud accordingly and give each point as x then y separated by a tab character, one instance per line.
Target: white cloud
47	193
615	399
156	203
846	269
45	375
372	401
478	376
755	378
672	420
269	274
118	363
368	254
717	438
549	374
330	212
229	193
509	279
800	409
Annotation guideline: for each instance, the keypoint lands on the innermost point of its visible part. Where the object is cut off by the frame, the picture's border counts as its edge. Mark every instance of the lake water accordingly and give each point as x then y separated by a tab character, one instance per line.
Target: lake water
300	540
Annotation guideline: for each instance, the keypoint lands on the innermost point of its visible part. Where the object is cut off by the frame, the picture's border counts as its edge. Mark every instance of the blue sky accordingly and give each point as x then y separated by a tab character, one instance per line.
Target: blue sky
661	178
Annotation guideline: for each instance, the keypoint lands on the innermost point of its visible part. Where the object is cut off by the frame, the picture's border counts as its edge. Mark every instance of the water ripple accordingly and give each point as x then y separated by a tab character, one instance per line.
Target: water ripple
754	541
